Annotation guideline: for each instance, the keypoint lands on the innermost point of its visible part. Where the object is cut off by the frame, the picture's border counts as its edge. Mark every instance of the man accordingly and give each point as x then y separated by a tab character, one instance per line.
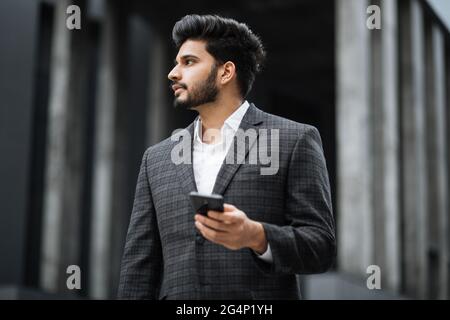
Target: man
273	226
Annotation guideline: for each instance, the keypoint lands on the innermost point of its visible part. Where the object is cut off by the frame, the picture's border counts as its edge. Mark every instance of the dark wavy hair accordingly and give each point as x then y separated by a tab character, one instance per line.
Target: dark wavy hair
226	40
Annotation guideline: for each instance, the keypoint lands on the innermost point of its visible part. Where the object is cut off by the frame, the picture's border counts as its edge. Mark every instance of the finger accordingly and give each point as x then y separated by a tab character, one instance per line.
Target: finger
216	217
210	234
229	207
225	217
212	223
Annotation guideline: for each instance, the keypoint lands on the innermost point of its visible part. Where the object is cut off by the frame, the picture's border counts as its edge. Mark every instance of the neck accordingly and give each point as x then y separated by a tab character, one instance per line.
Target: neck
213	115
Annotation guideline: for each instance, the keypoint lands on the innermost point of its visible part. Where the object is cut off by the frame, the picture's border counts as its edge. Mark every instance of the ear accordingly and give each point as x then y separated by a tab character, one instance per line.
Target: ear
227	72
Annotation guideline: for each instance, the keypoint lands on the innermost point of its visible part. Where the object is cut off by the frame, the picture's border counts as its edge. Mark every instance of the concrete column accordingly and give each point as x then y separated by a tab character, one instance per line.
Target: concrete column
109	156
437	164
158	83
385	111
355	221
65	153
447	108
414	192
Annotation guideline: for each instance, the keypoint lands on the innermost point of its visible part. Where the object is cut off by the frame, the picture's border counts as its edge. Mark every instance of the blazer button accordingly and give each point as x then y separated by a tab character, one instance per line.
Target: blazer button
199	239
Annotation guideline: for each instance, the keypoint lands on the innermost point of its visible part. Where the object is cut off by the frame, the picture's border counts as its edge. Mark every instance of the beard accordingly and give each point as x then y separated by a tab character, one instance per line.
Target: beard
204	92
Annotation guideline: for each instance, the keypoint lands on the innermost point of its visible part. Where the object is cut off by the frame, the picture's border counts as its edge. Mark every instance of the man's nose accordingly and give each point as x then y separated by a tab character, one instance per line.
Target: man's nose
174	74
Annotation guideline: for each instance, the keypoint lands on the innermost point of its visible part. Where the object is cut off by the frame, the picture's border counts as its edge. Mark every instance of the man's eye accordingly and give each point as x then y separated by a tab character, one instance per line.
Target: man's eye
189	62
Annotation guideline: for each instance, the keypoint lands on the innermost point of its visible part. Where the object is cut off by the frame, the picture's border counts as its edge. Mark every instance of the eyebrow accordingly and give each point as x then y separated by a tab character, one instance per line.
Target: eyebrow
186	56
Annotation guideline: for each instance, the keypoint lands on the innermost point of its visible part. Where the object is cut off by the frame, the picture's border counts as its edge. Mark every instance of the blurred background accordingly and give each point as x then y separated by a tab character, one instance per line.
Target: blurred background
79	107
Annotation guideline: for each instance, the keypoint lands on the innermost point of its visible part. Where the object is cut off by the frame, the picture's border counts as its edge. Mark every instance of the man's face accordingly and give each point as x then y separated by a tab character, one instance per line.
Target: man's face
194	76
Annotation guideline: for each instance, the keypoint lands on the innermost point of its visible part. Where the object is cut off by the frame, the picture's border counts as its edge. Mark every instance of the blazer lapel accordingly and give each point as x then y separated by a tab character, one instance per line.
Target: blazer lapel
185	171
251	120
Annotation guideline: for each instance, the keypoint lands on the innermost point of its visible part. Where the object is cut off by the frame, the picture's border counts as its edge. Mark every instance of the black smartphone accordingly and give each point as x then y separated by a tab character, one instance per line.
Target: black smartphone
204	202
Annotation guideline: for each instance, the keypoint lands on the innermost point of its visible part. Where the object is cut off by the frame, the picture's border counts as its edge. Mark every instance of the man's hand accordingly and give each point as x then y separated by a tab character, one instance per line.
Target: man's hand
232	229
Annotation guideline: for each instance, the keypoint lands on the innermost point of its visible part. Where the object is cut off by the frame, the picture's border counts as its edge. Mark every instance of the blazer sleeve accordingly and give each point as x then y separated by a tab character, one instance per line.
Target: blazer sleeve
141	267
306	243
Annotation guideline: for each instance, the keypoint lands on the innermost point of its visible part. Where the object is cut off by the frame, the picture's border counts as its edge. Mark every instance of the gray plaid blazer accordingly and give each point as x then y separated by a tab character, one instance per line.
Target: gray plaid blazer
165	257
